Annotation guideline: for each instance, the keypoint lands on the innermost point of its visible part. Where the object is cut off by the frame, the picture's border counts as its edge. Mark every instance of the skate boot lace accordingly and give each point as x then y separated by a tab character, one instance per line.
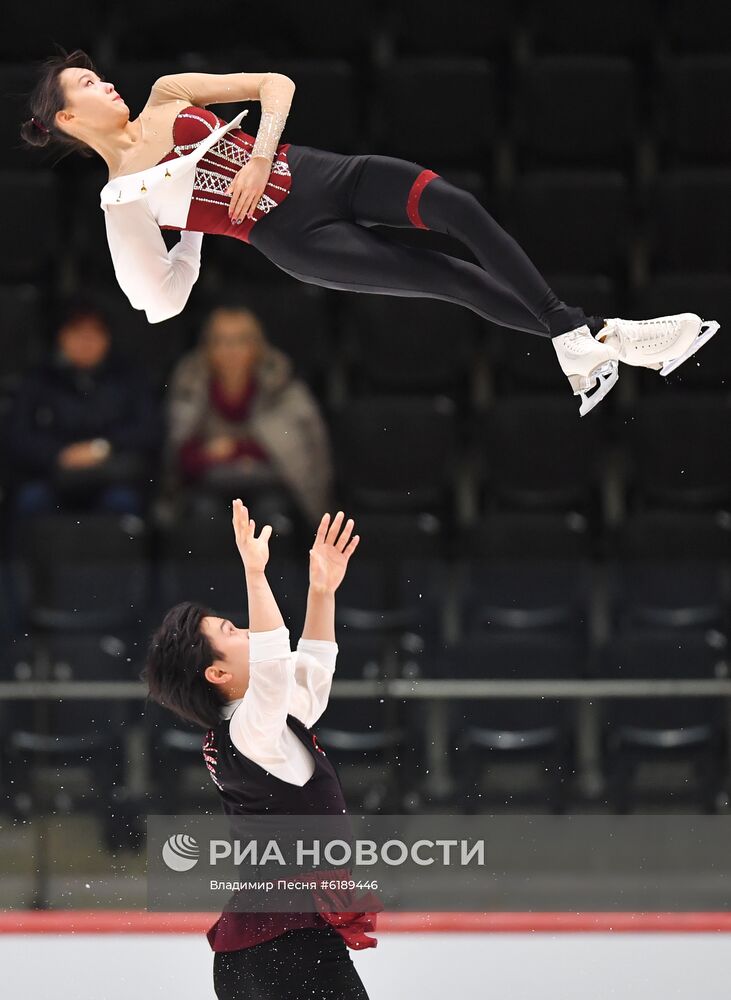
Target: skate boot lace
652	330
580	342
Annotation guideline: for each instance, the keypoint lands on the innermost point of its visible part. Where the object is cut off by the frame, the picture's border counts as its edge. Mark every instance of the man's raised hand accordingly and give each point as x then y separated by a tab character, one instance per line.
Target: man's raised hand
329	554
254	551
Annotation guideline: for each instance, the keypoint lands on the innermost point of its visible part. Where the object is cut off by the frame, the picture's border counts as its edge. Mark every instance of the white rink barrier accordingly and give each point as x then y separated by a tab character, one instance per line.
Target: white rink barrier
122	955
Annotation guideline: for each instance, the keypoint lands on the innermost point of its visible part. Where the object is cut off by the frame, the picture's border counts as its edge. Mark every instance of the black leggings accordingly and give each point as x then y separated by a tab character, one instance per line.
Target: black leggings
320	234
309	963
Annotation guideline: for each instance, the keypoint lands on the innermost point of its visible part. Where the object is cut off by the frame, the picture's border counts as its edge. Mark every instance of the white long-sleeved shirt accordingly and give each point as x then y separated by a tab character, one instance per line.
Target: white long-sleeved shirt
281	682
152	279
135	206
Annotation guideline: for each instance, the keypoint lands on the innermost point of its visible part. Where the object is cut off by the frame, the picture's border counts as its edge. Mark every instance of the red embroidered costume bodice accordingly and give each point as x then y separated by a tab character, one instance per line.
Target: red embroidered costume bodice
216	169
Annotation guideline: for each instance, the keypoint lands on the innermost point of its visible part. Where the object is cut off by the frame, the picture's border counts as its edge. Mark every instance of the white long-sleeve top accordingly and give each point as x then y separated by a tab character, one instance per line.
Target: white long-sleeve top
281	682
135	206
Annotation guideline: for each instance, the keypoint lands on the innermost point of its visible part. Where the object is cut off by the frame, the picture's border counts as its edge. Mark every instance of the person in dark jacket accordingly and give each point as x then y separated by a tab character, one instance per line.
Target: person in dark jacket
84	425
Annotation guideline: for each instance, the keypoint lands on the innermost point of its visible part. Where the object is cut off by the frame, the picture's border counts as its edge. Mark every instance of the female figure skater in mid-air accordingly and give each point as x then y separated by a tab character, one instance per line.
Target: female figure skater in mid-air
257	700
179	166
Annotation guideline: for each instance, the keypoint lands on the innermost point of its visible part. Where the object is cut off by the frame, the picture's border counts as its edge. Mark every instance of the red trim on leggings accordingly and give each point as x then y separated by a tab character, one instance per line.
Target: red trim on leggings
412	202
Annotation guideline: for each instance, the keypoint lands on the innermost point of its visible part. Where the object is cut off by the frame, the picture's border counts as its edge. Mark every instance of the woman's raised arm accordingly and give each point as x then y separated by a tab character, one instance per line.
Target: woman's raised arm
274	90
222	88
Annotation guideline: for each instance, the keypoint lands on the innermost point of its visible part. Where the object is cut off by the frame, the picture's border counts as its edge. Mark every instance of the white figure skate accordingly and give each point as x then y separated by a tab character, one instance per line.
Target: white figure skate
588	364
663	343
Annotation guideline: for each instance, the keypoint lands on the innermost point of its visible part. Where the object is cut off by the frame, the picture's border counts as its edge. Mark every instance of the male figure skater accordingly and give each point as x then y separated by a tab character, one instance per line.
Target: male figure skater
257	700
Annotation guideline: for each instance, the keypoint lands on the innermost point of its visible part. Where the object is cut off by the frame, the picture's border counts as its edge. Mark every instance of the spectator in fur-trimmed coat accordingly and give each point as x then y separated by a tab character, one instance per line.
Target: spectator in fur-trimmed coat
238	416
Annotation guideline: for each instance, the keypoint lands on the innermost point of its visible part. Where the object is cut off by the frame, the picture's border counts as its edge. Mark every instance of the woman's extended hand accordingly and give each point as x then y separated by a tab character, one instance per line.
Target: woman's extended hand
329	555
247	187
253	551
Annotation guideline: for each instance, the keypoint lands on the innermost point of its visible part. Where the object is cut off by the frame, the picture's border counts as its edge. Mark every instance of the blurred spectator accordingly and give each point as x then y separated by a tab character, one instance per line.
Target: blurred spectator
84	424
241	424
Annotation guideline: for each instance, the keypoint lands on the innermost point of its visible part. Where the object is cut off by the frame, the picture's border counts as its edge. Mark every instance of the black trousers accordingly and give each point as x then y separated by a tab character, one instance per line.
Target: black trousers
303	964
321	234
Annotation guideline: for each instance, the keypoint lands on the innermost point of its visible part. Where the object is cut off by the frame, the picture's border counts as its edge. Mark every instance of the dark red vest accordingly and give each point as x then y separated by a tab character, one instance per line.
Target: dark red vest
246	787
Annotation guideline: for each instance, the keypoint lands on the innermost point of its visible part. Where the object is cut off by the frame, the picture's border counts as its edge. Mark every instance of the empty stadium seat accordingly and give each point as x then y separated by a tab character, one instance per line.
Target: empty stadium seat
669	569
410	345
362	656
181	40
396	453
22	310
695	92
535	451
491	730
663	728
678	447
393	595
367	735
697	26
174	750
328	28
569	221
95	656
44	740
81	25
577	110
33	216
525	571
690	217
87	239
460	28
435	111
17	656
402	534
627	26
77	572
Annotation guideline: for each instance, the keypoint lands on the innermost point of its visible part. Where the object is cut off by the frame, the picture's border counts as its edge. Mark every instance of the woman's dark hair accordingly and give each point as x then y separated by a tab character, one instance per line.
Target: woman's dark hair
47	98
178	653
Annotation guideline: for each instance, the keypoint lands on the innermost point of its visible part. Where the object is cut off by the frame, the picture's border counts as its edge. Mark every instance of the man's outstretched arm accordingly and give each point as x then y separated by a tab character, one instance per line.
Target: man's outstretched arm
329	557
317	649
259	721
264	613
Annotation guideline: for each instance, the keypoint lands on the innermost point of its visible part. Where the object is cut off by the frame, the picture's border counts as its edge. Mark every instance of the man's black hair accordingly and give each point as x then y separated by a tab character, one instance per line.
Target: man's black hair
178	653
